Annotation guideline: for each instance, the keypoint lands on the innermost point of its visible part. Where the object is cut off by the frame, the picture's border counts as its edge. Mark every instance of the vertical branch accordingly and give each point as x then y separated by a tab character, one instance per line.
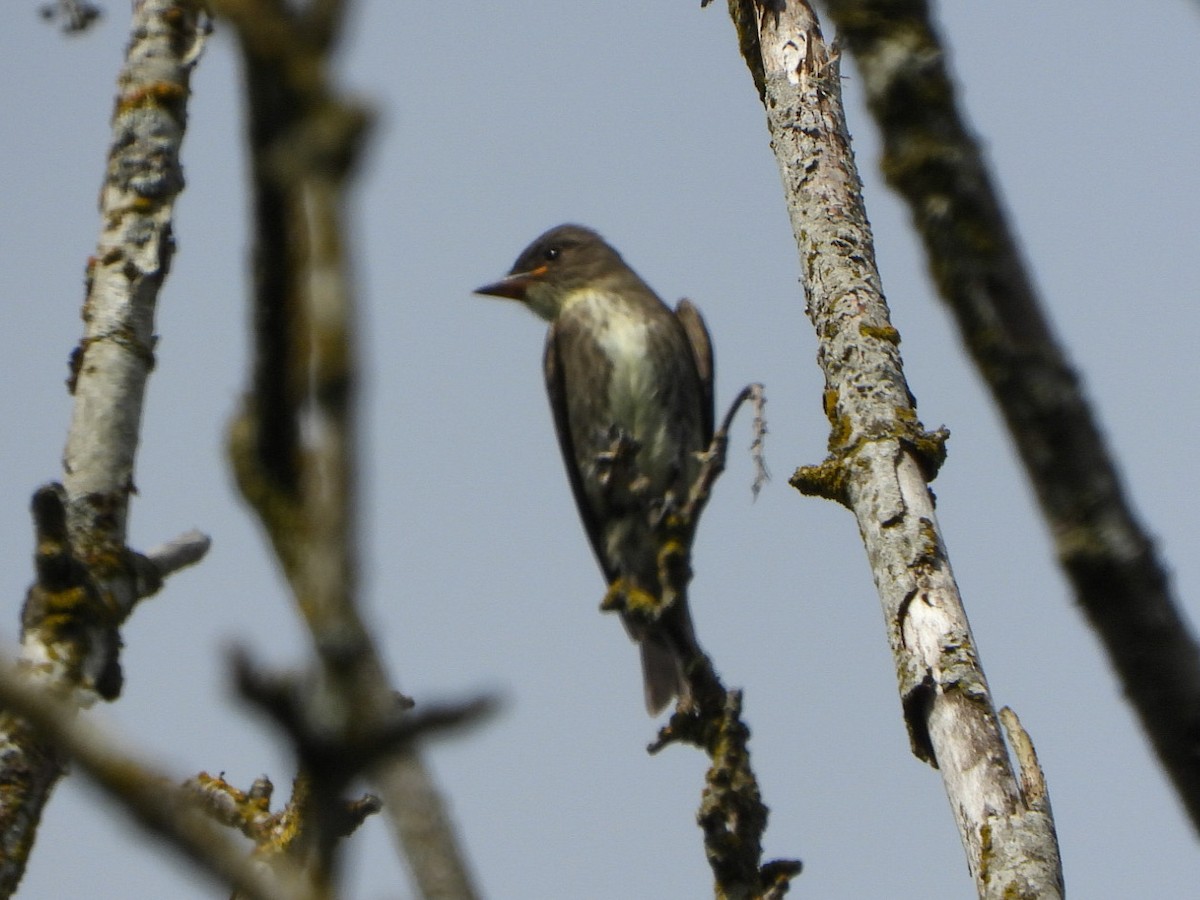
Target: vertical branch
294	444
881	459
934	162
88	580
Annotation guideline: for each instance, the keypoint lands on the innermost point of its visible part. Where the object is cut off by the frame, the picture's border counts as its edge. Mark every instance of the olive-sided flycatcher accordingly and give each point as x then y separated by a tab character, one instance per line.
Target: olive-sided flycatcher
627	377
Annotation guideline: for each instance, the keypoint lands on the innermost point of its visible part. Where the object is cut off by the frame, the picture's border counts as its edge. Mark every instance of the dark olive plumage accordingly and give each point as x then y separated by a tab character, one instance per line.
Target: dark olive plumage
619	362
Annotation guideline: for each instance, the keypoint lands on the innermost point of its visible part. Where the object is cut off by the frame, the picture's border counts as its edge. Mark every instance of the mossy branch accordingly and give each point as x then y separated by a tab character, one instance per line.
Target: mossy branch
732	814
881	458
88	579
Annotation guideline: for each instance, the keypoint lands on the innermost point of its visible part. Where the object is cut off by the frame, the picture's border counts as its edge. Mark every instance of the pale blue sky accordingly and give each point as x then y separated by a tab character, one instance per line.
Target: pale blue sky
641	121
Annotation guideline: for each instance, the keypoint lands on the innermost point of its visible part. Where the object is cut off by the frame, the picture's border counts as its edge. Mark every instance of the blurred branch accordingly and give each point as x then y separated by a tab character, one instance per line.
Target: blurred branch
330	761
72	16
881	459
276	835
147	795
287	701
934	162
88	581
294	443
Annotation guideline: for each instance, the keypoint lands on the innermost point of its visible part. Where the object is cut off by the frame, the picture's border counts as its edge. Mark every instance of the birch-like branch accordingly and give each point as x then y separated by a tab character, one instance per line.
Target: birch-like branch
88	581
881	459
294	443
934	162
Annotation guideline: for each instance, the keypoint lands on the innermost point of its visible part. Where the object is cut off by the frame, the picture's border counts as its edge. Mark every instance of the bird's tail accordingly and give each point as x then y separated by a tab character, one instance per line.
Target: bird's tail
667	652
662	679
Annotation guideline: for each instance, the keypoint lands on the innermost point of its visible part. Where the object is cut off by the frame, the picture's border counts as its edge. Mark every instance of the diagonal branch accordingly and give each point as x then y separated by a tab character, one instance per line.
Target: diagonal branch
881	460
294	443
934	162
148	796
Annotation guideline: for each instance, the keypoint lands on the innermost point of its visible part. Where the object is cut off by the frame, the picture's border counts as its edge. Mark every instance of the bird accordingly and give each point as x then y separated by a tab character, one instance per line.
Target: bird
630	383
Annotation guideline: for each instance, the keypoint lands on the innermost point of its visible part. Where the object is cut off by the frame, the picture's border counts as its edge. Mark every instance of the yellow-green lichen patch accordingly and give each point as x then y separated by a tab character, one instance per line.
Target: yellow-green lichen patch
826	480
885	332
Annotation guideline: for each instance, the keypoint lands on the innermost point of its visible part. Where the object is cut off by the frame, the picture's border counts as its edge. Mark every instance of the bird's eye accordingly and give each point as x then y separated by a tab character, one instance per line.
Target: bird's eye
552	253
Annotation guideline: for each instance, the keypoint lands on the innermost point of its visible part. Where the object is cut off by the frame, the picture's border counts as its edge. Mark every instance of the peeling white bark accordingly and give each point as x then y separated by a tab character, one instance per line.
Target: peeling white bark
88	580
881	460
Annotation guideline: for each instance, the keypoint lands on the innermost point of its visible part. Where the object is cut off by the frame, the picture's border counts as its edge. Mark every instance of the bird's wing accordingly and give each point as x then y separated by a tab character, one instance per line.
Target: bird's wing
702	353
556	388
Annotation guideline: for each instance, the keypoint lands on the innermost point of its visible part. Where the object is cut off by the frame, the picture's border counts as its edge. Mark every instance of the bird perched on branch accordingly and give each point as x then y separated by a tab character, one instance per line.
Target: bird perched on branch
631	389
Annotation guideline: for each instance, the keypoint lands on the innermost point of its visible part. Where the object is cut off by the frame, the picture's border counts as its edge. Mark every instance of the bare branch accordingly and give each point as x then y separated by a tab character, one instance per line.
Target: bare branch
931	158
882	458
276	835
1033	781
186	550
339	757
145	793
294	444
88	580
713	462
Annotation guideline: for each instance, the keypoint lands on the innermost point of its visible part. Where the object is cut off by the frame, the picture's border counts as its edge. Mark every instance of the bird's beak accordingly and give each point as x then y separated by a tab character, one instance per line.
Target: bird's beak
513	286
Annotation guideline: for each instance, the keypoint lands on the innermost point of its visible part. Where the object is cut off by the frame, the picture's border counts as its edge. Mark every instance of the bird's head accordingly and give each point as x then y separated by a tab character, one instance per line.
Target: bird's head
554	267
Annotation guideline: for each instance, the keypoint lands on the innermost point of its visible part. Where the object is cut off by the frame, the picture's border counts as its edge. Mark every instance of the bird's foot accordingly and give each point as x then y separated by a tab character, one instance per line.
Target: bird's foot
674	569
615	467
639	604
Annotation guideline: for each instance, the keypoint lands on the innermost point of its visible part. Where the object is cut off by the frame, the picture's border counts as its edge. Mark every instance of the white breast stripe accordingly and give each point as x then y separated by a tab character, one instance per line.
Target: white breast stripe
634	390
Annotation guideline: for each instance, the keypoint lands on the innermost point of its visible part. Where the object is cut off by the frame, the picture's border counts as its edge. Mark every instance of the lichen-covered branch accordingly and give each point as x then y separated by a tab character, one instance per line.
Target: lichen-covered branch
148	796
732	813
881	459
294	443
275	834
329	761
935	163
88	581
